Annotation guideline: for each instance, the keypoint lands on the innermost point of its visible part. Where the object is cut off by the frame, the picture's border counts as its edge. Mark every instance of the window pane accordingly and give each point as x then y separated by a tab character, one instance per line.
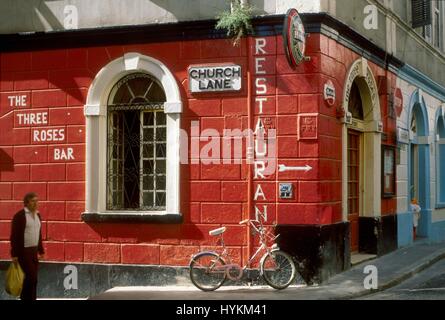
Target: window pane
148	199
136	145
160	182
160	199
160	166
148	135
148	182
148	167
148	119
161	134
161	150
148	150
160	118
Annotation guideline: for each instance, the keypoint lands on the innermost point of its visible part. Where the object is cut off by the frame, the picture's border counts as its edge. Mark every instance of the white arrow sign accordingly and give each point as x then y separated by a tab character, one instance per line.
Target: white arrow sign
282	168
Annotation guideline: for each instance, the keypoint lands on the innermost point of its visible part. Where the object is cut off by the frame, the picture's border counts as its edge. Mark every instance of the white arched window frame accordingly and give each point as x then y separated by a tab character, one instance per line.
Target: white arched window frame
96	138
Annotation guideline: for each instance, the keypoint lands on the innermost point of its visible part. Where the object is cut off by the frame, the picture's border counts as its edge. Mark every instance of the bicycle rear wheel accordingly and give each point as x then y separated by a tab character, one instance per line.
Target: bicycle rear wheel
207	271
278	269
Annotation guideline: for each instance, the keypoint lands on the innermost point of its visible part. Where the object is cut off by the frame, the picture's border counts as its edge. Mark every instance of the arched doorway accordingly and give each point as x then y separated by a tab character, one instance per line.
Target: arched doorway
361	146
419	161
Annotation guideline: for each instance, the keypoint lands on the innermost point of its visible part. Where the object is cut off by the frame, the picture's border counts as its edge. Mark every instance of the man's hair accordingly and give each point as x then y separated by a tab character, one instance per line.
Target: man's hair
28	197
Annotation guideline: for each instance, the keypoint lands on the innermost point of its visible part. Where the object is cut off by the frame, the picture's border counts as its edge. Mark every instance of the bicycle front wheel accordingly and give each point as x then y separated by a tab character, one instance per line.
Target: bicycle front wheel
278	269
207	271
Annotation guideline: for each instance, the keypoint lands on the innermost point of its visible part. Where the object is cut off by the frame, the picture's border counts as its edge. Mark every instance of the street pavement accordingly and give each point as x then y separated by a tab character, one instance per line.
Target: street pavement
393	269
426	285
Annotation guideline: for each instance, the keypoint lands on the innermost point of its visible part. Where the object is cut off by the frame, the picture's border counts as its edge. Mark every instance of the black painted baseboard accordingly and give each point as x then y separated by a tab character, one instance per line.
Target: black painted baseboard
321	250
93	279
378	235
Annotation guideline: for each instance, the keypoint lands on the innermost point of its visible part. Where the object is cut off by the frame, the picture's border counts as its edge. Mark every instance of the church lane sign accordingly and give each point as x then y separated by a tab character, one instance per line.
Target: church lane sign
214	78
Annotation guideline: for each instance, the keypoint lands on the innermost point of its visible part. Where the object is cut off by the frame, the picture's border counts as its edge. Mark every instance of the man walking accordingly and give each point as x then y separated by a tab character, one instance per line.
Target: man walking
26	244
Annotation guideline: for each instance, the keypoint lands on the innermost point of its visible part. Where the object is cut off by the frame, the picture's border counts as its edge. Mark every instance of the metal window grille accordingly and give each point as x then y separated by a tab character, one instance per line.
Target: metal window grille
137	140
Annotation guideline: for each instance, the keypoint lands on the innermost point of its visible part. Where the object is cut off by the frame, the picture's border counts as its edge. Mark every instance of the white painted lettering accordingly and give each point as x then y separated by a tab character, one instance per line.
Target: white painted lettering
260	43
32	118
260	166
258	66
259	214
259	193
64	154
260	84
260	104
48	135
17	101
259	128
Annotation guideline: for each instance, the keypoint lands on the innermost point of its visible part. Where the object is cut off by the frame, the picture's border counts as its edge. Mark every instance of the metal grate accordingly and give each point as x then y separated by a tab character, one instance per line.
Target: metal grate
154	155
137	145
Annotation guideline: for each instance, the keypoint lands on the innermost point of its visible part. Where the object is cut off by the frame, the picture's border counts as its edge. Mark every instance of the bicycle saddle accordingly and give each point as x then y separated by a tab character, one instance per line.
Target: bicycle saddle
217	232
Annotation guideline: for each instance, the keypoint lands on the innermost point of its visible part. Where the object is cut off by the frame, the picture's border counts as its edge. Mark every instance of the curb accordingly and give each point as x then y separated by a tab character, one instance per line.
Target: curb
395	281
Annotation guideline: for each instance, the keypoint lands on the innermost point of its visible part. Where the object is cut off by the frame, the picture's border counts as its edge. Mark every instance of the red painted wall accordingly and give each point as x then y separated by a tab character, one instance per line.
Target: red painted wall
57	81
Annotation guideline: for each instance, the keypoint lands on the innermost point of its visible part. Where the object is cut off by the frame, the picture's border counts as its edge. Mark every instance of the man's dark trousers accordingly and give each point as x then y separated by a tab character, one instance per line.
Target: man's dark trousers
30	264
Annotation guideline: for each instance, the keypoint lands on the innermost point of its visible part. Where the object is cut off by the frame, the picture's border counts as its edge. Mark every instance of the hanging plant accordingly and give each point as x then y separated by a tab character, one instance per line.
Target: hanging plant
236	22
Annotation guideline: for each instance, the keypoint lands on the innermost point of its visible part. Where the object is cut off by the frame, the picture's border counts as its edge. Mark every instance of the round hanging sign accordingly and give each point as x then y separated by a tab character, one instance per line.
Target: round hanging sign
294	37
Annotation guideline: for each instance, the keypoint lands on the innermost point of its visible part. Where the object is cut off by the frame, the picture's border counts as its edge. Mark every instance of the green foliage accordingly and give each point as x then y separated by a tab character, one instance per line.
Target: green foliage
237	23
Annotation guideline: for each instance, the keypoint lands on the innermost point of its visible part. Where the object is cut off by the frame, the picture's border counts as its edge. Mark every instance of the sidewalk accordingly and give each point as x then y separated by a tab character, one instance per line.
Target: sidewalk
393	268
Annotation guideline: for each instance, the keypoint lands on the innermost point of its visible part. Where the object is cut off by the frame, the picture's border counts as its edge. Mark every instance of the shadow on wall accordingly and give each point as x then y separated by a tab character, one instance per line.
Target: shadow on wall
31	15
37	15
6	162
69	70
183	10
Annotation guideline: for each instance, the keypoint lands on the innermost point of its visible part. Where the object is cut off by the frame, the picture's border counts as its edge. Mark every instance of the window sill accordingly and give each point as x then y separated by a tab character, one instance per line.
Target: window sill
133	217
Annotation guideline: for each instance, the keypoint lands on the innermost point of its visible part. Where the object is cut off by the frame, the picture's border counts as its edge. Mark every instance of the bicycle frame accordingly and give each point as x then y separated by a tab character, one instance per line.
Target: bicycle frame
264	237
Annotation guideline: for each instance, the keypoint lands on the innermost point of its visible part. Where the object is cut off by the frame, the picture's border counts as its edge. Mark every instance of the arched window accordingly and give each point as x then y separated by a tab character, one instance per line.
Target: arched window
413	125
133	120
440	161
355	102
136	145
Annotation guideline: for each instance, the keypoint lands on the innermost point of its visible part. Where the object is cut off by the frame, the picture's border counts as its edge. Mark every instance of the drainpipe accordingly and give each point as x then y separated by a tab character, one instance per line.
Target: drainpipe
250	151
250	145
250	117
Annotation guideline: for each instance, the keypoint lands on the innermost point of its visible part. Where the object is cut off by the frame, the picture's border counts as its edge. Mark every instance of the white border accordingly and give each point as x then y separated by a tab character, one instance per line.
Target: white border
96	129
370	158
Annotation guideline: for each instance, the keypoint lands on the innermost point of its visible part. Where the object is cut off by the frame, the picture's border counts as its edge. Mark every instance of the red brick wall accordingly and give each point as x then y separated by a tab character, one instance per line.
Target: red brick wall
57	82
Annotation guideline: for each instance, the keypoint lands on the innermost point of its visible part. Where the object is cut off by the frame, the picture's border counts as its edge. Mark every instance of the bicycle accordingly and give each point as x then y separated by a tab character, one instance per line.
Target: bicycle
209	270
